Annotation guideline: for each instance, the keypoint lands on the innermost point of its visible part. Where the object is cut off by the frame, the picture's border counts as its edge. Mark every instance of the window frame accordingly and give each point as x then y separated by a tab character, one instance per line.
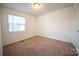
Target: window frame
16	23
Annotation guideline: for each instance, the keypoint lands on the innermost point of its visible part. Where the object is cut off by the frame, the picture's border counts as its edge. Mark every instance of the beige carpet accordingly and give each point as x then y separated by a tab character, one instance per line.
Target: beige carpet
40	46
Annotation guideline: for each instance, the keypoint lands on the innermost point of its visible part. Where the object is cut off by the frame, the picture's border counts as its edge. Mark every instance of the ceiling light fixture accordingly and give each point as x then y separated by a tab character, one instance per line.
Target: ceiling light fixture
36	5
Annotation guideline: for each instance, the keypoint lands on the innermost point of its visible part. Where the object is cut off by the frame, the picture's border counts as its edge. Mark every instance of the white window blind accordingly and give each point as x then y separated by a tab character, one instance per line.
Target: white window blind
16	23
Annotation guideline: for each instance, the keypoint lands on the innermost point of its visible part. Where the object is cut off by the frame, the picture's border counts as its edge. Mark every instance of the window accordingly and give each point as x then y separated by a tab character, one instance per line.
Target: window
16	23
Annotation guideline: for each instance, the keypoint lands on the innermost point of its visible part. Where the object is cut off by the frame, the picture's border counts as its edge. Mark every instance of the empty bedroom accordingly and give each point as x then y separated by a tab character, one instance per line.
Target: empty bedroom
39	29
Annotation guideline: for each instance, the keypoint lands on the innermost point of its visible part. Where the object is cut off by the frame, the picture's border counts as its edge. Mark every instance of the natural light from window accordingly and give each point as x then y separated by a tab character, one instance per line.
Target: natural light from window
16	23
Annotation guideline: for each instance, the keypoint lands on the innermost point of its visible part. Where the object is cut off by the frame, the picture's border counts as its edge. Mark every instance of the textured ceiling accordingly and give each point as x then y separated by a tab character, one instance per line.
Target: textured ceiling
28	7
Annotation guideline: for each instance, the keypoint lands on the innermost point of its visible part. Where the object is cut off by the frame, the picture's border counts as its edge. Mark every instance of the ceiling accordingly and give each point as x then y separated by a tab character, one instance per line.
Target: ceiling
28	7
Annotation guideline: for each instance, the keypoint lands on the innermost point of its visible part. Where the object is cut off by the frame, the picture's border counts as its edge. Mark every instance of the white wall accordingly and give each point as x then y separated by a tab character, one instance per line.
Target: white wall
1	51
56	25
75	26
11	37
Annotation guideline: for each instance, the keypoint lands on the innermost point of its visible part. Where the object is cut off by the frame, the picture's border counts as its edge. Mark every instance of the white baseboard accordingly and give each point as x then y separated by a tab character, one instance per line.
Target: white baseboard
18	40
54	38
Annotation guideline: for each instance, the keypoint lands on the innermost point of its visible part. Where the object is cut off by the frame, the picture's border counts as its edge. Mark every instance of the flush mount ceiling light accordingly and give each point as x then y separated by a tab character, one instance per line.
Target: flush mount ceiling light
36	5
